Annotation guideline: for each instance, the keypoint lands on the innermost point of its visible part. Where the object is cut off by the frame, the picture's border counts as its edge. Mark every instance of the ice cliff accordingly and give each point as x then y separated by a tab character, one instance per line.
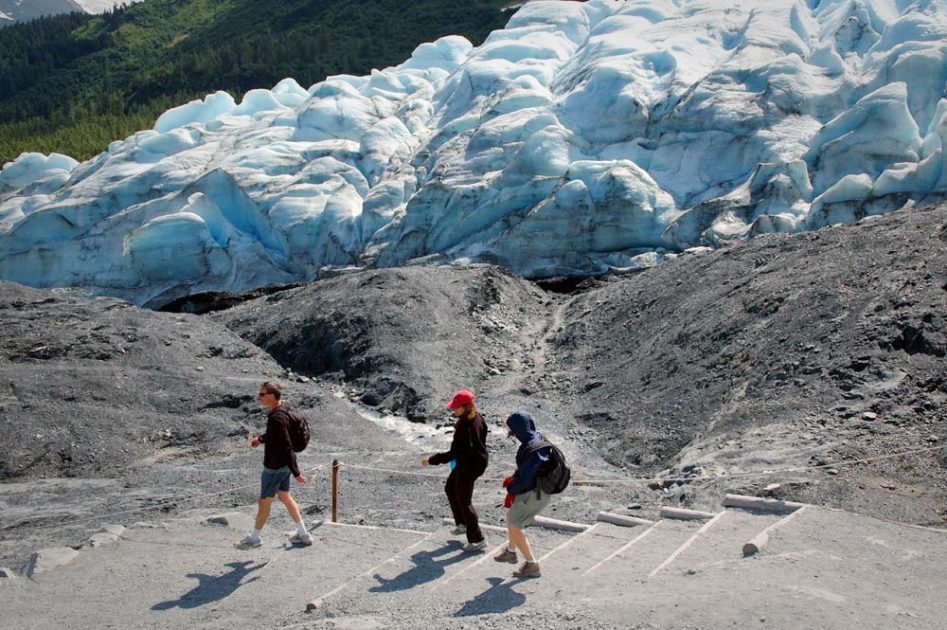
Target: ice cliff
583	137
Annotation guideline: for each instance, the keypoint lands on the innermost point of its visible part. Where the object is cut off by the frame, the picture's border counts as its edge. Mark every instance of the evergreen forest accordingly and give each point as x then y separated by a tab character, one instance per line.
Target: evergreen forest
74	83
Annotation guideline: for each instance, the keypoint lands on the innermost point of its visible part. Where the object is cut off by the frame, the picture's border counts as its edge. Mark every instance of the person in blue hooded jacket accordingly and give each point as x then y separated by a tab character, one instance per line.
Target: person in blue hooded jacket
524	499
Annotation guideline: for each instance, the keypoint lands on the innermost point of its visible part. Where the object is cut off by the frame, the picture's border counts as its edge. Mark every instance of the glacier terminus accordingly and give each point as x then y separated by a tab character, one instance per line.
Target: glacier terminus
582	138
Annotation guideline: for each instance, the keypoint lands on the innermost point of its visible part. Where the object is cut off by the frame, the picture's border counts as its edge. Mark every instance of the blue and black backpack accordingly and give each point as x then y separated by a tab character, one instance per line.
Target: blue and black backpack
554	475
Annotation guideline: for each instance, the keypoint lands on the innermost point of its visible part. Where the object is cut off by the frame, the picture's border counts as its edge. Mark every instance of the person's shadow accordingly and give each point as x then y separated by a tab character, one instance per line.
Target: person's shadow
212	588
428	566
498	598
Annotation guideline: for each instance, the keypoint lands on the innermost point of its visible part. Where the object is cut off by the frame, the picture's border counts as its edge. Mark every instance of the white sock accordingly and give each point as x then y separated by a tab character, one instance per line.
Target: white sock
510	549
301	529
255	534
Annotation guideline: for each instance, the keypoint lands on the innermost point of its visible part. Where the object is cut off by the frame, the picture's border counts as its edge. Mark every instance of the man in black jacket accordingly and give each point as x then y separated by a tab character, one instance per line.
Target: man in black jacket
279	463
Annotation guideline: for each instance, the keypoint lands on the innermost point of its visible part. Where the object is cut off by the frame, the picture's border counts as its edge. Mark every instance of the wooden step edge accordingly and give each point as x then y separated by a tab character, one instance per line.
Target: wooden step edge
554	523
622	519
682	514
495	528
760	504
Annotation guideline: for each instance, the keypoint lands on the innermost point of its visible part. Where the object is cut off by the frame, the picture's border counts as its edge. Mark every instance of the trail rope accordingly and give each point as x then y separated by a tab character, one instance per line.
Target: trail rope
576	481
693	479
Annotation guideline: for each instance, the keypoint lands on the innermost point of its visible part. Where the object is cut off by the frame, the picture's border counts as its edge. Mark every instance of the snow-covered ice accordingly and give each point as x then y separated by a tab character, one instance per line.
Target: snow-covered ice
101	6
583	137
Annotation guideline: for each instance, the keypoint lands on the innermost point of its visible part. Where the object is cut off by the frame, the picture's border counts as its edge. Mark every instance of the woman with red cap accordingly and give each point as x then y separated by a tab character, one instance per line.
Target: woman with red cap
468	456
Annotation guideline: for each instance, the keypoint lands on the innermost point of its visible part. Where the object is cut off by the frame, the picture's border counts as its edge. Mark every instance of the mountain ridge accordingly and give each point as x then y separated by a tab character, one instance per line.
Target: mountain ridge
24	10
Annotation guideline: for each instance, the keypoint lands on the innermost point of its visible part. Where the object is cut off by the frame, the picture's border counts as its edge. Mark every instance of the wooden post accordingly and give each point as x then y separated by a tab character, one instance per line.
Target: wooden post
755	544
335	491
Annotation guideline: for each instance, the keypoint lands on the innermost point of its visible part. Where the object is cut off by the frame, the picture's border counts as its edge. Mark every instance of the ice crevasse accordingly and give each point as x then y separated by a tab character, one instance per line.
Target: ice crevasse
581	138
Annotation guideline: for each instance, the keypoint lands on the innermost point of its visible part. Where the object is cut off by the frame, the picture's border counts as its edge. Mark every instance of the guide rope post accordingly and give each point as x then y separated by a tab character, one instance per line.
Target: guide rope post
335	491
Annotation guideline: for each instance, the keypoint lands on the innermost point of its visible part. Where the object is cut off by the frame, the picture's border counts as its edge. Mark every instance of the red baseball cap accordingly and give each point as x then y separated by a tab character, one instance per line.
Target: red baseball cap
461	398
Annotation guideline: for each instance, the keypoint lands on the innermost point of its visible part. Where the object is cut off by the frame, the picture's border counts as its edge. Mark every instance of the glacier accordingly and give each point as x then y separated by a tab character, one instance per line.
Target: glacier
583	138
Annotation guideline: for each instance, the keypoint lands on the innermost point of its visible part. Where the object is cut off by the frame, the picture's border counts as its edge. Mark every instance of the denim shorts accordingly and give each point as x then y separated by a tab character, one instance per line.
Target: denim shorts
526	507
273	480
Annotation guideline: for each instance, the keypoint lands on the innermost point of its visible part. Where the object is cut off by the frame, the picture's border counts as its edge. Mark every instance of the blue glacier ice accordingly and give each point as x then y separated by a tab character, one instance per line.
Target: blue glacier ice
583	137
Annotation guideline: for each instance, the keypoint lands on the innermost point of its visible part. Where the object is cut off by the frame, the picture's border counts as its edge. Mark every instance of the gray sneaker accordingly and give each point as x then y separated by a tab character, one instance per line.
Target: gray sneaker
506	556
248	542
480	545
305	541
459	530
528	570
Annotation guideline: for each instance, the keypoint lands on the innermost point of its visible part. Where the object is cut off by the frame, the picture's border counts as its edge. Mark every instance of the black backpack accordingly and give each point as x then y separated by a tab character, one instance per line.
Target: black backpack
298	430
554	475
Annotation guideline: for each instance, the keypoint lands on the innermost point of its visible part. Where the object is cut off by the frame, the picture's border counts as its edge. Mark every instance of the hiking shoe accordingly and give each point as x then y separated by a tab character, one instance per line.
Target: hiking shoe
480	545
528	570
305	541
506	556
459	530
248	542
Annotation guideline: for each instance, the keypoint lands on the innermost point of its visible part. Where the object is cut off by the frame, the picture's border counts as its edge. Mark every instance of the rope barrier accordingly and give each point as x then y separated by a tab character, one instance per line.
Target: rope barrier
628	481
638	480
416	474
109	515
392	471
412	473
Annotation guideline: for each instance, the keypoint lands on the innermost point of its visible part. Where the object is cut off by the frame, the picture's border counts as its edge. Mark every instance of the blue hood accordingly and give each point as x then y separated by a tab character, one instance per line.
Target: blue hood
522	426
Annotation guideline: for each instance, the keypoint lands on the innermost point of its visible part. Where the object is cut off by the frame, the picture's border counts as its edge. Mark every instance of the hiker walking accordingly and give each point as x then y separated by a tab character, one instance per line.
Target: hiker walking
279	463
524	498
468	459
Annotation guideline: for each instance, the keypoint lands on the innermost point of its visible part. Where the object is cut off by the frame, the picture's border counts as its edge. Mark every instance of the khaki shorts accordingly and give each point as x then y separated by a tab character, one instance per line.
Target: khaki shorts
526	507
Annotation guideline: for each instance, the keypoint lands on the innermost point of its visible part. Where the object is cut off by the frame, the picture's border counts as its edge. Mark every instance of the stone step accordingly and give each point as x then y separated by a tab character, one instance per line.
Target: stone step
646	552
720	540
563	566
585	550
429	561
339	555
486	586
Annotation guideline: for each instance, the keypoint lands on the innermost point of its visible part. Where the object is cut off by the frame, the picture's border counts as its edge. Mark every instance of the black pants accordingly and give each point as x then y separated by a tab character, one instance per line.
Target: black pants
459	489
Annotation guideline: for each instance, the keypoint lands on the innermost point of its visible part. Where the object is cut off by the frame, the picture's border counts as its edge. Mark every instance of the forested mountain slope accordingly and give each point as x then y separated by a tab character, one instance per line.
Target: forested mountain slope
73	83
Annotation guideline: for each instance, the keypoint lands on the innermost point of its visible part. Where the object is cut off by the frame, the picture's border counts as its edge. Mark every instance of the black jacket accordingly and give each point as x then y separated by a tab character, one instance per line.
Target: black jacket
277	445
469	447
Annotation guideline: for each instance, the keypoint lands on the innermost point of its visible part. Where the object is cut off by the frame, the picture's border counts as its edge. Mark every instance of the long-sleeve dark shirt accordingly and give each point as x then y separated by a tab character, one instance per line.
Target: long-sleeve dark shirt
277	445
469	447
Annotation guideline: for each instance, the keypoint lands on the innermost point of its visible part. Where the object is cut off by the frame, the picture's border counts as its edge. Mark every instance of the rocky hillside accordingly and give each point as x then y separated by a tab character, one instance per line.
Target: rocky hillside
92	386
404	339
785	351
